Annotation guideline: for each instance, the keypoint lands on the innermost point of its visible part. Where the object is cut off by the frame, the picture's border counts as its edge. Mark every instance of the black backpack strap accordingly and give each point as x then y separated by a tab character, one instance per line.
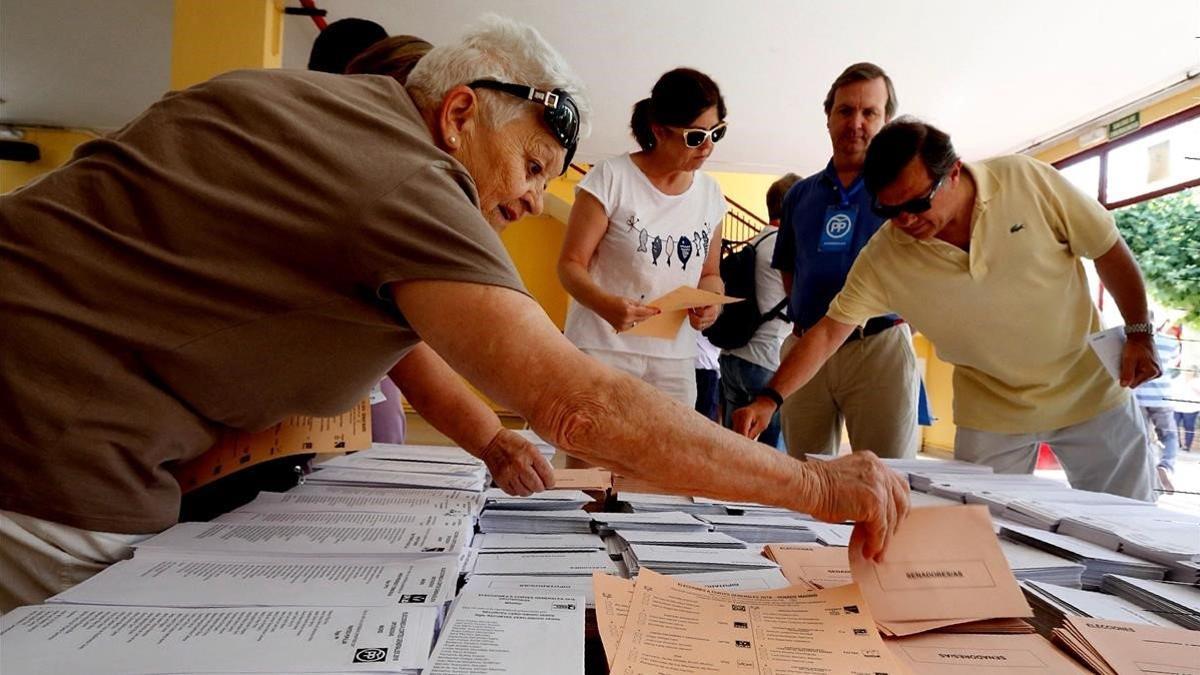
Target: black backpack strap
775	313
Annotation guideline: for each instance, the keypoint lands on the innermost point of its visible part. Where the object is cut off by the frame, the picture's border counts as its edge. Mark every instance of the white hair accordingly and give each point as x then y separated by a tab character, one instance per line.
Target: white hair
497	49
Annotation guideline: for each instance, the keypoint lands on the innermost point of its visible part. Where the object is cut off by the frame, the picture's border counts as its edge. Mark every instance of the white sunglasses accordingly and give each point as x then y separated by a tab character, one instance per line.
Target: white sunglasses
694	138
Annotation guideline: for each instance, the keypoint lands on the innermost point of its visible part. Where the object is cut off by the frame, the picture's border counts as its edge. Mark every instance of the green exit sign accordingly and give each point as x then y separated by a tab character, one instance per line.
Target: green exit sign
1124	125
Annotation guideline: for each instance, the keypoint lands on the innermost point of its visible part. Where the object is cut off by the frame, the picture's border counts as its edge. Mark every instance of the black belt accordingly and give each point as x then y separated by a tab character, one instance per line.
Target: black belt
874	326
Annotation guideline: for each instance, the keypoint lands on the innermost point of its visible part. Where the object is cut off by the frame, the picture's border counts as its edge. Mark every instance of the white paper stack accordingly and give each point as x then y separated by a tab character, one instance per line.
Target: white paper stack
689	539
751	508
541	563
830	534
1097	560
136	640
1184	572
367	519
1110	526
426	454
1046	512
1178	603
645	502
536	522
366	499
662	521
1038	507
1051	603
762	529
547	500
684	560
532	584
1032	564
958	486
309	540
504	542
365	460
376	478
496	632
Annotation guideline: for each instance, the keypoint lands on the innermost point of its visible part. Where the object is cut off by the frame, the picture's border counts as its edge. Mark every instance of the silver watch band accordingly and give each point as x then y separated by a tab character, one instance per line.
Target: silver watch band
1131	328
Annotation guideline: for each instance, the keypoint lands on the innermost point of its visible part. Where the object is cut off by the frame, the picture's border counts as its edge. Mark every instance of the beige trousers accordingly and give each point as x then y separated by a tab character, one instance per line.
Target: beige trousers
40	558
870	384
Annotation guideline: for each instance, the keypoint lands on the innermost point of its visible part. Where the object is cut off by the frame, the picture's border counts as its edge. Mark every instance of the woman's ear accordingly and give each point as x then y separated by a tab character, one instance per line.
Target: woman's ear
457	117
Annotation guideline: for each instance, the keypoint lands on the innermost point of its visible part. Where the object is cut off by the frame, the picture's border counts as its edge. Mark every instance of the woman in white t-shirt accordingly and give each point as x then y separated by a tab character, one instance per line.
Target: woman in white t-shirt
644	224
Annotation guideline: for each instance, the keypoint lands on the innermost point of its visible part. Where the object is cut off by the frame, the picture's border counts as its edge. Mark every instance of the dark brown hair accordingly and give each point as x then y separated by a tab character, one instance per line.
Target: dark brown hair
895	146
394	56
863	72
678	97
775	195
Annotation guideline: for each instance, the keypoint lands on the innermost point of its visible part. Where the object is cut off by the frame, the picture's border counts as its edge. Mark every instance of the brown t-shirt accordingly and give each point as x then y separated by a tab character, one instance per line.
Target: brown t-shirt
221	261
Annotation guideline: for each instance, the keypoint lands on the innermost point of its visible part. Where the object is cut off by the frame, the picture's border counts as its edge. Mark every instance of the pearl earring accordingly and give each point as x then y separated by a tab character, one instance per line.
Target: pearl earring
453	140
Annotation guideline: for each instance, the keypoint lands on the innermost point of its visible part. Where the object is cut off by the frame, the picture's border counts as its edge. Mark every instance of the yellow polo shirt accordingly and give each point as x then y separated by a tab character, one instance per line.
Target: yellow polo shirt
1012	314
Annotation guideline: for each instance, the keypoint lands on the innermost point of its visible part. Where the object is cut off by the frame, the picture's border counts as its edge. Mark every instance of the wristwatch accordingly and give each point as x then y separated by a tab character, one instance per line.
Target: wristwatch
771	394
1134	328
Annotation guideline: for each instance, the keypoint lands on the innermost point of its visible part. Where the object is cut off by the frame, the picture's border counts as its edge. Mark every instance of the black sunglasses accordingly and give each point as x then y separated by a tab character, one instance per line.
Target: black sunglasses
913	206
694	138
561	114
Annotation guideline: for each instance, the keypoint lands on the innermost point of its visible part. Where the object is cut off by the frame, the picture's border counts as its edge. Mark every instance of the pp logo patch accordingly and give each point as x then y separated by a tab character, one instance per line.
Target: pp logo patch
838	226
371	655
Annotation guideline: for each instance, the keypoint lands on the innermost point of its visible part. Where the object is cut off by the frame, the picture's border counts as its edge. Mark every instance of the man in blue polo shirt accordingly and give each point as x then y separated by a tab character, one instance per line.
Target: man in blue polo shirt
871	382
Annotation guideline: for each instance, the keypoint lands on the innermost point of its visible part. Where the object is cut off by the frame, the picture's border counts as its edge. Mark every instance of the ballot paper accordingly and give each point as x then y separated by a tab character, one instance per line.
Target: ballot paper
547	500
1108	345
366	499
1178	603
738	580
1116	648
688	560
761	529
944	565
165	579
571	563
532	584
971	654
583	479
1096	560
430	454
101	640
682	628
536	522
308	540
831	534
1031	564
374	478
363	460
686	539
511	633
664	521
347	518
646	502
1053	603
674	306
1113	527
501	542
811	565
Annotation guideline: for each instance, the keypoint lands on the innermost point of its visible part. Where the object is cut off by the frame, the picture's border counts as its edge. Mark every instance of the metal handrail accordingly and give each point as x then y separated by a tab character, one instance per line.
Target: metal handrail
739	226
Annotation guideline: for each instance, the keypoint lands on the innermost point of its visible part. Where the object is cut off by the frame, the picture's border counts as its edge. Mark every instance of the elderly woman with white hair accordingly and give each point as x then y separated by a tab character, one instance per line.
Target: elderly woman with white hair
271	243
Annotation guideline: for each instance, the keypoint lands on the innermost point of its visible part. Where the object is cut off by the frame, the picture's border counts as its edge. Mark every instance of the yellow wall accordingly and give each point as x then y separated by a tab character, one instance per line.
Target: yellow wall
56	146
1150	114
747	189
938	374
534	243
214	36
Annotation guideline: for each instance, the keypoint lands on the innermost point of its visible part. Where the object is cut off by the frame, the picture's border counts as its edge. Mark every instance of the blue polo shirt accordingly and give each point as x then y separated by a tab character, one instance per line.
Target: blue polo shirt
820	270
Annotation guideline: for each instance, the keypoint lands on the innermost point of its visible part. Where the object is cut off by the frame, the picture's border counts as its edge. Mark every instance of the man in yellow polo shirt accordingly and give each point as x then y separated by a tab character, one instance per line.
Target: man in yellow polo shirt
985	260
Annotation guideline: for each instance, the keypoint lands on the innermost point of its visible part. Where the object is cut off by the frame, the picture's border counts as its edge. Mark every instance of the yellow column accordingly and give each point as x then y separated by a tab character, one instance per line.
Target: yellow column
211	37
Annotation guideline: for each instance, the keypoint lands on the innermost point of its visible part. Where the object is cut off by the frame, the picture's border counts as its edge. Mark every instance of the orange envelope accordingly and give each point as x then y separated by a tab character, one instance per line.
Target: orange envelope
1115	647
812	565
949	654
674	306
582	479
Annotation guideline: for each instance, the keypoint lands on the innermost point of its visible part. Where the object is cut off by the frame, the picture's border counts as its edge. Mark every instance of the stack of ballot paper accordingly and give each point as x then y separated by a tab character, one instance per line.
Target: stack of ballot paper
102	640
1052	604
176	579
688	560
1184	572
370	460
504	542
532	584
943	567
1033	503
644	502
543	563
660	624
812	566
1166	543
688	539
548	500
1046	512
501	632
377	478
663	521
831	534
969	654
367	519
1178	603
1031	564
761	529
1115	527
535	522
309	540
751	508
426	454
1117	648
366	499
959	486
1096	560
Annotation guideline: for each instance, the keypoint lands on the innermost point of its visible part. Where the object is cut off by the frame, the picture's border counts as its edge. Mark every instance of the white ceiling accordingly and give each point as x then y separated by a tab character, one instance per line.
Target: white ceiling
997	75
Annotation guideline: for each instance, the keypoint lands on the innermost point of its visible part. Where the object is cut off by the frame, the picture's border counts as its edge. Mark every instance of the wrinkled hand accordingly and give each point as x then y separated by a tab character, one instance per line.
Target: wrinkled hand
751	420
623	313
861	488
516	465
1139	360
703	317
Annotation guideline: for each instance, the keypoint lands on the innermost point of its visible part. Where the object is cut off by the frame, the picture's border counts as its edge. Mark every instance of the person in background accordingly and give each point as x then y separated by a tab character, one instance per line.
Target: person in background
642	225
1186	397
747	369
225	261
1024	373
1158	408
708	379
341	42
870	384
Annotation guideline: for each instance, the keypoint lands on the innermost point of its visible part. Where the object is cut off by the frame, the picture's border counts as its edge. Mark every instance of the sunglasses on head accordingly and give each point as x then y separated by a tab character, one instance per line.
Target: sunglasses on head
560	112
913	206
694	138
